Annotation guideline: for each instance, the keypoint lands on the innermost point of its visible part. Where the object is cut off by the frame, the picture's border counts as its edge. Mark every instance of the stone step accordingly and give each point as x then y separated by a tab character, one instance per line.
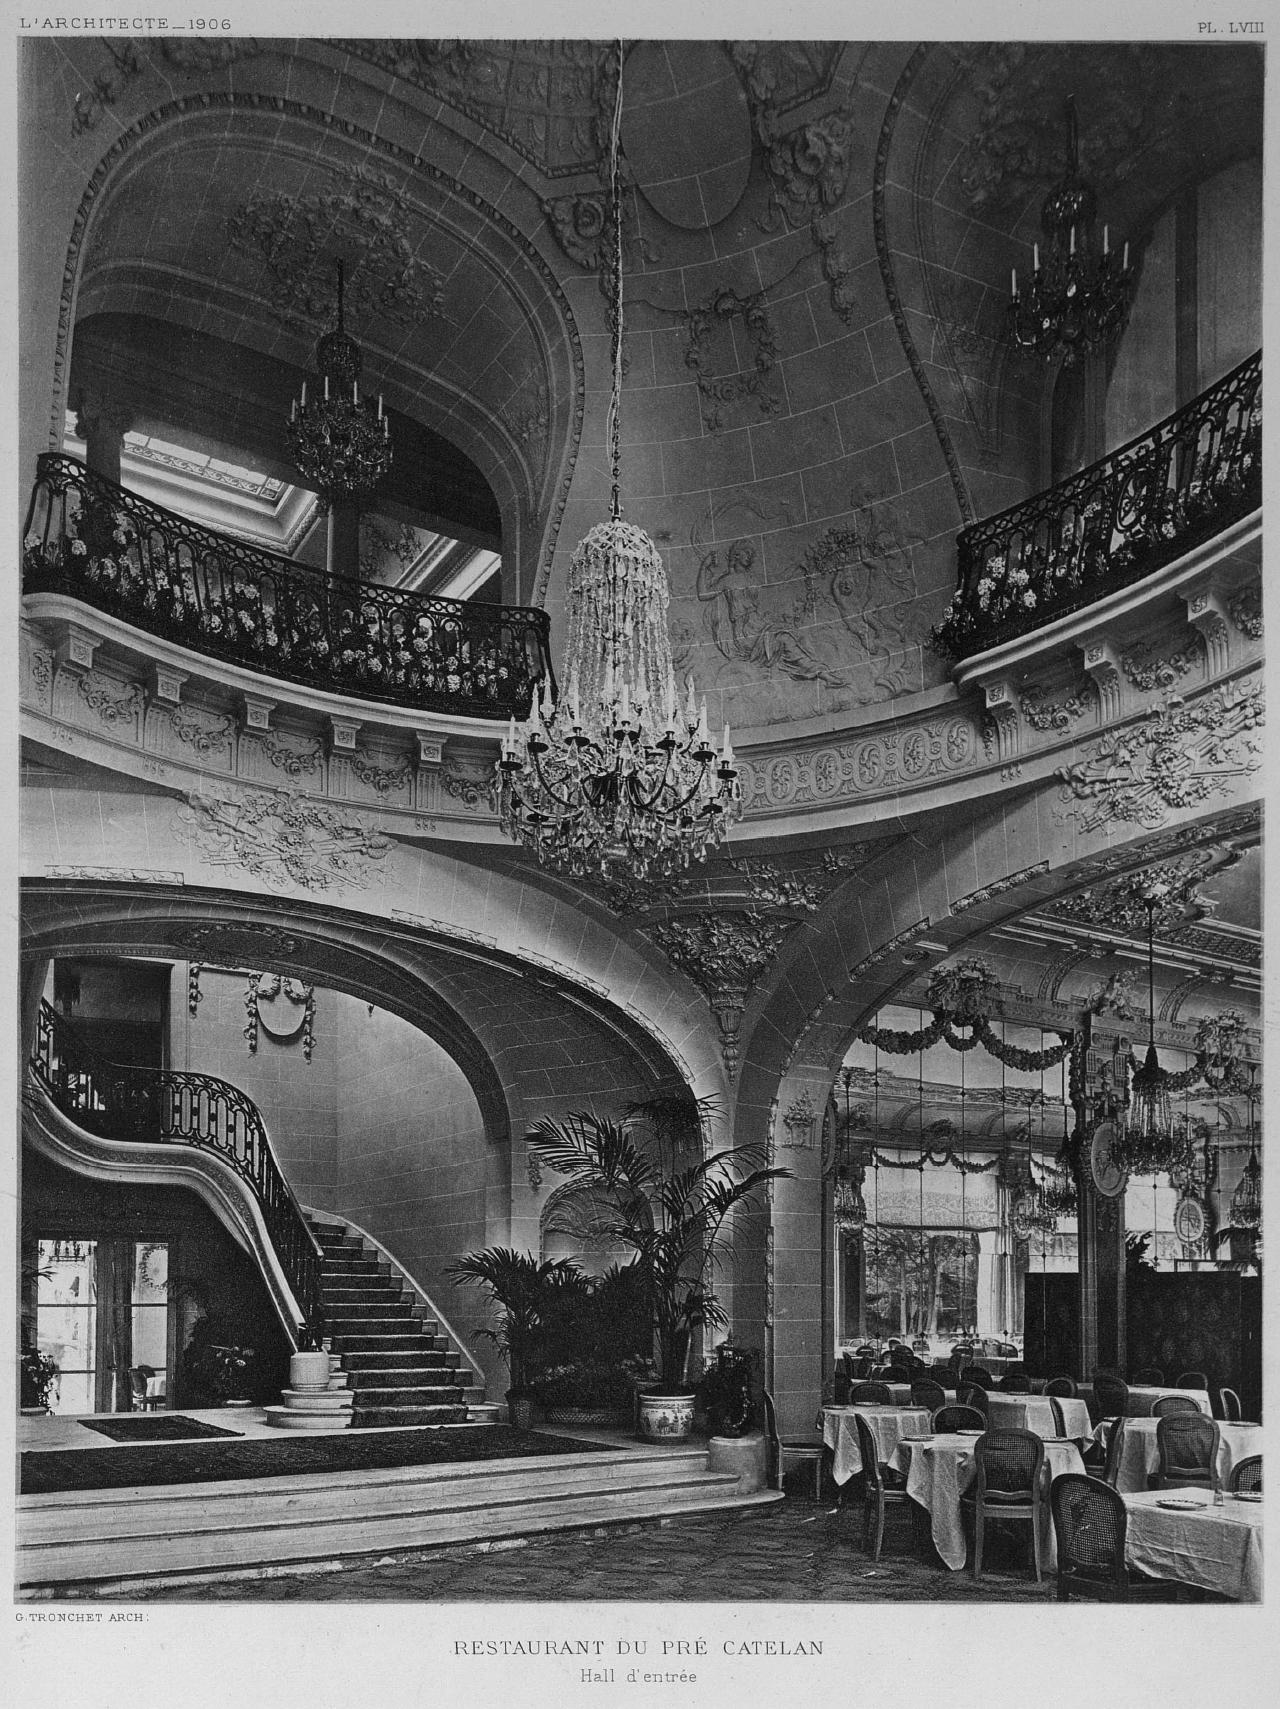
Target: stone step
105	1536
292	1418
377	1293
369	1311
355	1344
422	1394
388	1417
390	1359
407	1377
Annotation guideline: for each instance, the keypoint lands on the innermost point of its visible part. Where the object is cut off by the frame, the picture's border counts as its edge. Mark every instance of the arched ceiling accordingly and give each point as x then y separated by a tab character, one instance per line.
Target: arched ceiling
818	238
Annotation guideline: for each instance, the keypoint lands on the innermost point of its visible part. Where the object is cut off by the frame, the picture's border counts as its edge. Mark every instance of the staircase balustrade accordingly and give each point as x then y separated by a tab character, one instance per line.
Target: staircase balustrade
94	541
1121	519
159	1105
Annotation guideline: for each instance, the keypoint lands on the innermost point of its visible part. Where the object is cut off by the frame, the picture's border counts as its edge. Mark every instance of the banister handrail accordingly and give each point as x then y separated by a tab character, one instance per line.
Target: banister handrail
123	1101
1129	514
97	542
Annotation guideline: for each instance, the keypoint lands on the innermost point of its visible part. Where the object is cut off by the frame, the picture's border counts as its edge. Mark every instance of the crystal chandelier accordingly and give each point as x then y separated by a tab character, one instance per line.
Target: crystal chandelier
1079	298
615	774
1148	1142
339	445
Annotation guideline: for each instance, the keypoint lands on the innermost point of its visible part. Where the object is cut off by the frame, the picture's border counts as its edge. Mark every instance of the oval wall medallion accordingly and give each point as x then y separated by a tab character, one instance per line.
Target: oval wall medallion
686	132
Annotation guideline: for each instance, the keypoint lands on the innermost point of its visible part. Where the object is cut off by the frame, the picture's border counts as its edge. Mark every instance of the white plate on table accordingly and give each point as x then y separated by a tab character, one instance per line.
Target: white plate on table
1246	1495
1183	1506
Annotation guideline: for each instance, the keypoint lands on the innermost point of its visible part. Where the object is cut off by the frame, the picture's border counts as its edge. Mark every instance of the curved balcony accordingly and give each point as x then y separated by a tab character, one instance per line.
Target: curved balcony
98	543
153	1105
1115	523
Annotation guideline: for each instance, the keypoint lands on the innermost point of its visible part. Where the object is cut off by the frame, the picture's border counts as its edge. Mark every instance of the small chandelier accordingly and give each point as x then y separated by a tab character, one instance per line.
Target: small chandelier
616	775
339	445
1246	1201
1078	300
850	1206
1149	1142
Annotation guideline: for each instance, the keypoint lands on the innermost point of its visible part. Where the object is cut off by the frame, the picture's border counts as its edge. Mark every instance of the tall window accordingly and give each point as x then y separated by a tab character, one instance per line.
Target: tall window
102	1306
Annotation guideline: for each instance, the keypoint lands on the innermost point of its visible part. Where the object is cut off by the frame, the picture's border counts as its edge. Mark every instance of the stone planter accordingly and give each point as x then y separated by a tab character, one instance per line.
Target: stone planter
308	1372
666	1418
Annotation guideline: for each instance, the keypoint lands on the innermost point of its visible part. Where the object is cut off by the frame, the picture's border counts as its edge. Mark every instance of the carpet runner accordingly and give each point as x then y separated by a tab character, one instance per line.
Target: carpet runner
219	1462
155	1427
401	1366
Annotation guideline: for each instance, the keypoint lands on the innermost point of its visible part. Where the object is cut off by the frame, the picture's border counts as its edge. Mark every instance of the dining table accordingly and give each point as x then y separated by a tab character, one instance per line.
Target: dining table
1139	1456
940	1468
1182	1535
888	1425
1143	1397
1036	1413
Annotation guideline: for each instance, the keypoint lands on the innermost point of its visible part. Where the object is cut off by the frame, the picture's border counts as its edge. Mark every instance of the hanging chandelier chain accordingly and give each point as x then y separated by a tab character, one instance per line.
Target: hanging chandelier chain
615	294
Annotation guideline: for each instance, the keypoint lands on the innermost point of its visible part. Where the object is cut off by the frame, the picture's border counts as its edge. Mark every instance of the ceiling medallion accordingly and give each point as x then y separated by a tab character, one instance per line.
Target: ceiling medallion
614	777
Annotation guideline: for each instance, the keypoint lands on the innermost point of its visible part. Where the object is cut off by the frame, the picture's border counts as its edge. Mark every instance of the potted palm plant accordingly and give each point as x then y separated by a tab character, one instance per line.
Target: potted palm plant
522	1289
670	1208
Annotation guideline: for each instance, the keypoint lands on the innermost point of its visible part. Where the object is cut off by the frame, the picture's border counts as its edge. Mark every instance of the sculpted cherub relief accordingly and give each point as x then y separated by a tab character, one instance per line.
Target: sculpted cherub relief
860	573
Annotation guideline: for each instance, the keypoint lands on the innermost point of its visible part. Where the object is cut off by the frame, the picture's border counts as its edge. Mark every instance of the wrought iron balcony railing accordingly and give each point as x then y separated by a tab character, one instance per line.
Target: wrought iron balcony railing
1115	522
157	1105
96	542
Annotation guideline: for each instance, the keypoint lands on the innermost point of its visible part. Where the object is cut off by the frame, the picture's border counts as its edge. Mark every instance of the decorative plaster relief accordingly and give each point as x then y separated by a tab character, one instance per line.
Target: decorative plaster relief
899	759
1177	756
281	839
1148	668
710	353
998	886
365	217
208	733
1245	610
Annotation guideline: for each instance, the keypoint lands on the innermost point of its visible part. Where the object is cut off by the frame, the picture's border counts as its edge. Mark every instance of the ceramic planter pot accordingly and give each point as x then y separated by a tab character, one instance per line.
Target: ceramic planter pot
666	1418
309	1372
520	1409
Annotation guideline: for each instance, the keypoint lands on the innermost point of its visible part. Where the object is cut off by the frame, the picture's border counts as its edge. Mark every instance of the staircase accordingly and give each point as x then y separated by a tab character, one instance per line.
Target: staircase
401	1365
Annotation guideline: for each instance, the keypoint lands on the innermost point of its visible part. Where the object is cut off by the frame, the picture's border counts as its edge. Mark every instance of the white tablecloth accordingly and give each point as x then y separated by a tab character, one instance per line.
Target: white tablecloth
1139	1456
888	1425
1142	1399
1034	1412
1215	1548
939	1472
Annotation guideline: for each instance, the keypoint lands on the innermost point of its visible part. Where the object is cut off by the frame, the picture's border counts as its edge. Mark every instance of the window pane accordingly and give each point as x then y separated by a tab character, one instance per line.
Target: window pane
150	1336
74	1392
67	1272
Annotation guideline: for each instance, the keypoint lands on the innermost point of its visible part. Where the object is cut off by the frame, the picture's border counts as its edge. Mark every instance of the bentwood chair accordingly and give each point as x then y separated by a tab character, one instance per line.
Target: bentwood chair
881	1487
140	1399
1007	1487
807	1450
1232	1410
1192	1380
870	1394
1111	1395
953	1417
1150	1376
1089	1521
978	1376
925	1392
975	1398
1246	1476
1015	1383
1187	1443
1168	1404
1062	1386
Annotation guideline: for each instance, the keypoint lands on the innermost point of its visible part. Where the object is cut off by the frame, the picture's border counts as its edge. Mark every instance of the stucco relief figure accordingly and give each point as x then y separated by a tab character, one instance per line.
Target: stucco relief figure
871	584
741	631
